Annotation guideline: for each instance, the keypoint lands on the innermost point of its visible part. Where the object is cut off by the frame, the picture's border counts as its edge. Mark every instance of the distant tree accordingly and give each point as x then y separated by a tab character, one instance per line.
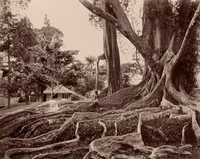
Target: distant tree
131	68
126	80
52	66
38	61
90	62
128	71
16	36
87	84
46	21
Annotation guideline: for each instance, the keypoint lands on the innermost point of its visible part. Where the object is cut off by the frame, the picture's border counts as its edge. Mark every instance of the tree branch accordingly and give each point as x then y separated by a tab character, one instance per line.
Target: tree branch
126	27
121	22
123	25
188	33
169	53
44	85
98	11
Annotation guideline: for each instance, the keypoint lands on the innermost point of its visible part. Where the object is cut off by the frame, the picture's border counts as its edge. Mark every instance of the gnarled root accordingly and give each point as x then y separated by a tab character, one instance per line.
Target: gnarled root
168	150
183	134
189	112
108	145
196	128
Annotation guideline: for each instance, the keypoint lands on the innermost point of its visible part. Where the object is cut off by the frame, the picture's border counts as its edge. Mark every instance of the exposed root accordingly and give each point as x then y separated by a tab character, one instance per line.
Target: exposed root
76	132
63	154
129	94
158	114
196	128
139	124
162	134
183	134
66	145
180	117
68	131
159	132
104	127
118	120
113	112
112	134
115	128
165	104
189	111
105	146
153	99
168	150
46	155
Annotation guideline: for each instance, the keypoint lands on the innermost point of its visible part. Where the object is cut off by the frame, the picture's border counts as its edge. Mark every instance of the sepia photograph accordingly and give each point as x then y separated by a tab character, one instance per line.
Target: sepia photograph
99	79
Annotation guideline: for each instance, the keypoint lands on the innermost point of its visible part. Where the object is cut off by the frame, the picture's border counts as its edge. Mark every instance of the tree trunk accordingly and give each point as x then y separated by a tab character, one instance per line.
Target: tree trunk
166	40
111	52
163	44
97	77
9	83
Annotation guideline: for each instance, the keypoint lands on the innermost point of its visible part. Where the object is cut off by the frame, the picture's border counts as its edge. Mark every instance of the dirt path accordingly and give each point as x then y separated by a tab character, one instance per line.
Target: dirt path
17	107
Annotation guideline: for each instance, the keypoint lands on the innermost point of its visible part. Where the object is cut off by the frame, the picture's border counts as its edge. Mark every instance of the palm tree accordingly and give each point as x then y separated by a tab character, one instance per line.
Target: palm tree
90	60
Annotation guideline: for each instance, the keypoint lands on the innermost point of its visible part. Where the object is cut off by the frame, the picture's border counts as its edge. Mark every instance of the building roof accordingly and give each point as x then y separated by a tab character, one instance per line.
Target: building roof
62	89
59	89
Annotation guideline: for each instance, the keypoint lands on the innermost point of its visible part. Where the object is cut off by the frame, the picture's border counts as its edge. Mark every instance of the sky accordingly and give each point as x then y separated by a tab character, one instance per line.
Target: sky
72	18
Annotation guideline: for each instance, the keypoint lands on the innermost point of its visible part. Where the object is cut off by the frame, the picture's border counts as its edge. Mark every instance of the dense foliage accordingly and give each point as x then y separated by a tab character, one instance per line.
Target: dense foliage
86	85
34	57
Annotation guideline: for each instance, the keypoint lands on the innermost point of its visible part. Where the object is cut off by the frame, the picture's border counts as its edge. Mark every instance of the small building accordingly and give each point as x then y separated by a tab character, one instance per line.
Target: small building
59	92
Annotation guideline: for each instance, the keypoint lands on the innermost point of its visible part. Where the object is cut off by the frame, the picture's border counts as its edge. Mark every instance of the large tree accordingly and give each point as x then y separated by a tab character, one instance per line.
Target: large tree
163	44
167	45
128	123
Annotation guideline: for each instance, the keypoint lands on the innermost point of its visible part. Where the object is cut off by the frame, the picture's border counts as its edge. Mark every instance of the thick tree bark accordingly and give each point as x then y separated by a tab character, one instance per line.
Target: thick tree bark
123	25
163	45
97	76
111	52
9	81
110	44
